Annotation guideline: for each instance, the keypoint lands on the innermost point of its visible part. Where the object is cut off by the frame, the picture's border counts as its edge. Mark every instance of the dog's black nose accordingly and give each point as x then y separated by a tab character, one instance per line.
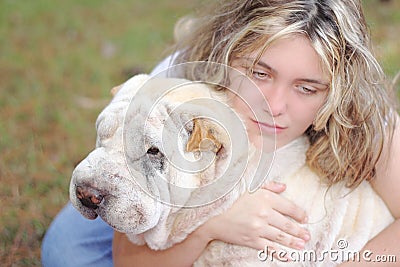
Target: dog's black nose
89	197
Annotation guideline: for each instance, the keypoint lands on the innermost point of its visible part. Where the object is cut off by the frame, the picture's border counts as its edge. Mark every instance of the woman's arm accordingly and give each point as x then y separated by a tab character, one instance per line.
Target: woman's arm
126	254
387	181
246	223
387	185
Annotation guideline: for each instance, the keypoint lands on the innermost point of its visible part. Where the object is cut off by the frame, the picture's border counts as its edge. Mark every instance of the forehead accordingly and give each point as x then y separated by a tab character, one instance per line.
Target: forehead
293	52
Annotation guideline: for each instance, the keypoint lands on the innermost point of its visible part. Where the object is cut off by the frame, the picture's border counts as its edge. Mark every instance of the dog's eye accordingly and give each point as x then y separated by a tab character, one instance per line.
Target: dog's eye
156	159
153	150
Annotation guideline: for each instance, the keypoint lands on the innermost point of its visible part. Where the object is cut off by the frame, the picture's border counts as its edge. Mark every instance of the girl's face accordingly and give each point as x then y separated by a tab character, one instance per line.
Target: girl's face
292	87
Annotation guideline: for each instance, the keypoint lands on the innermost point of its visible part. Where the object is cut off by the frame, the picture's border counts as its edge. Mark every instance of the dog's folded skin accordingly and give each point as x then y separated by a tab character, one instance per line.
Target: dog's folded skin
102	184
105	171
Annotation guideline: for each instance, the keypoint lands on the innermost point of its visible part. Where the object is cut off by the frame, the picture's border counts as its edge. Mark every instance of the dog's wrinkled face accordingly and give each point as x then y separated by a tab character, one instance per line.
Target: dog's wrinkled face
149	158
102	184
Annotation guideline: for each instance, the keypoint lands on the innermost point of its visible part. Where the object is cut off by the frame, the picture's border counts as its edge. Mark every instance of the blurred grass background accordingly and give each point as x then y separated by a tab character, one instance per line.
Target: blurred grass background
59	59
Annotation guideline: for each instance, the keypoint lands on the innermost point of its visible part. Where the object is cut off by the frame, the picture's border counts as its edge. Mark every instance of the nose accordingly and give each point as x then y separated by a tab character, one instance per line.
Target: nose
277	101
88	196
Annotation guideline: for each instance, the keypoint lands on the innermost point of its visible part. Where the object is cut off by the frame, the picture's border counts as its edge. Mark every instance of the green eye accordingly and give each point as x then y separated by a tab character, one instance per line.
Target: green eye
306	90
260	75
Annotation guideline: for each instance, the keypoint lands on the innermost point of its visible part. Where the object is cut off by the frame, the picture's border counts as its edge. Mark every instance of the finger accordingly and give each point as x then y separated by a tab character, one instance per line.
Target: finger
289	230
274	186
284	238
287	207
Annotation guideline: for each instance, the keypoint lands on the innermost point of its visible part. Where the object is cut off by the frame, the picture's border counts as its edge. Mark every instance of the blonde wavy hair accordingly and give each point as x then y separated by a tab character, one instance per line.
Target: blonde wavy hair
349	131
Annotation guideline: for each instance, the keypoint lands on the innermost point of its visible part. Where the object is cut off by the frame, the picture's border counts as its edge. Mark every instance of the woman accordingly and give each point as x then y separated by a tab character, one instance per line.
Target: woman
312	61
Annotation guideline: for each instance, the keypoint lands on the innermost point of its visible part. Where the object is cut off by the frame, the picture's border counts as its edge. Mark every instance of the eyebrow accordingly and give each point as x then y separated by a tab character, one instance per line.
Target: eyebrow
266	66
274	71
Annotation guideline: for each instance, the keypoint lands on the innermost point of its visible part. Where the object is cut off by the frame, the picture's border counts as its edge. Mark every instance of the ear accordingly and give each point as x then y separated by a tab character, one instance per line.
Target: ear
203	137
115	90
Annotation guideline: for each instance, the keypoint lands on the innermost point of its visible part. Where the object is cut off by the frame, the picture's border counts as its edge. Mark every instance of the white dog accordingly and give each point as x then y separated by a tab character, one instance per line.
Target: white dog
137	178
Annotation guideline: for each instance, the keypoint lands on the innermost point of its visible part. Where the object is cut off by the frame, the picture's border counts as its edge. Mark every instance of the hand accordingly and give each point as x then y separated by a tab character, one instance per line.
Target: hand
259	219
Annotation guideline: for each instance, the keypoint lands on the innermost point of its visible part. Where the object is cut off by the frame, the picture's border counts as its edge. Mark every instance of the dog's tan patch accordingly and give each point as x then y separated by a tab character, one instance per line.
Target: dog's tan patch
202	138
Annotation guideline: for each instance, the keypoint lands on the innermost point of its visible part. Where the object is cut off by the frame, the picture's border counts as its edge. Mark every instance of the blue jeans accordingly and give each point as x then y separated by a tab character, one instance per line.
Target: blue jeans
74	241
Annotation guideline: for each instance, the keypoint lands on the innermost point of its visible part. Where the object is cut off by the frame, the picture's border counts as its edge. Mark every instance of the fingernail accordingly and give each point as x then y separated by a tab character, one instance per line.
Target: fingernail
278	184
306	236
300	244
305	220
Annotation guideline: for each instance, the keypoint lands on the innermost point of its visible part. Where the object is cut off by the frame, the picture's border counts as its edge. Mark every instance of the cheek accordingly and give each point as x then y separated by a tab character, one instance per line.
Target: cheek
306	113
245	94
240	106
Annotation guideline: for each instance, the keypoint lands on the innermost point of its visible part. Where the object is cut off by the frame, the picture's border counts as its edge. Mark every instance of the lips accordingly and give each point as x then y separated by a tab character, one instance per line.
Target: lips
269	128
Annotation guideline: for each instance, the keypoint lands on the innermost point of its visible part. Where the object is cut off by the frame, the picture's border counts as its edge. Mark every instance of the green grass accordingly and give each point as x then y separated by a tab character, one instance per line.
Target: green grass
56	54
384	23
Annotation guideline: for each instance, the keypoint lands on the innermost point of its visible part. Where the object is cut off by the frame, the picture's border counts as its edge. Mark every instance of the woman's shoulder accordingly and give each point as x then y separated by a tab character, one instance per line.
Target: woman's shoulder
164	64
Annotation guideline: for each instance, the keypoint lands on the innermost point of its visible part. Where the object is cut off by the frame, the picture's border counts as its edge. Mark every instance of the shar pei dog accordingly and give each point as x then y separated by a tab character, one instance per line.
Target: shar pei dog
161	170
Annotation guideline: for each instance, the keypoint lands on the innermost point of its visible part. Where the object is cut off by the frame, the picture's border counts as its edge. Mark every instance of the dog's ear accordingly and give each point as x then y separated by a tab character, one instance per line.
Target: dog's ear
203	137
115	89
